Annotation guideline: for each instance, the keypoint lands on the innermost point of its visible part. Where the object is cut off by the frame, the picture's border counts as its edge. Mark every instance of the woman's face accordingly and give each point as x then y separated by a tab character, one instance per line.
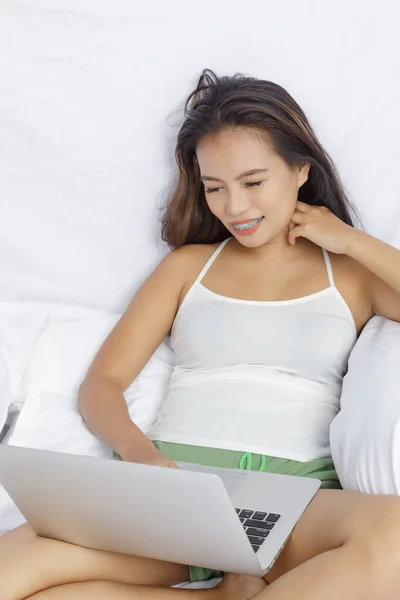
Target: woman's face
256	208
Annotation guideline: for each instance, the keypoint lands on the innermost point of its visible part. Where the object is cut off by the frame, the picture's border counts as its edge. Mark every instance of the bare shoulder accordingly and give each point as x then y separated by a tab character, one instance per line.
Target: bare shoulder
186	262
194	252
350	269
177	270
190	259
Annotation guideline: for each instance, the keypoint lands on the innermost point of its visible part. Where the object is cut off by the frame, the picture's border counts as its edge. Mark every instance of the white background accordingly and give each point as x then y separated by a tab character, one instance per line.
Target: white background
91	93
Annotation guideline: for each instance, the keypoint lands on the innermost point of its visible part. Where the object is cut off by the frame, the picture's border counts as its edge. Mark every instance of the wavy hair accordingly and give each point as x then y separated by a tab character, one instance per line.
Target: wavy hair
266	108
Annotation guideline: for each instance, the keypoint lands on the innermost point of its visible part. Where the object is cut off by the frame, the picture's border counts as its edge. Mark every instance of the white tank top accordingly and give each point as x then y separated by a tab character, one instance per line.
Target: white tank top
262	377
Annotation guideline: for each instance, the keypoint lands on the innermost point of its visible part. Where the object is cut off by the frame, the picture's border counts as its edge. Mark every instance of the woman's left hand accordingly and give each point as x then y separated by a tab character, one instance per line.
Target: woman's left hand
319	225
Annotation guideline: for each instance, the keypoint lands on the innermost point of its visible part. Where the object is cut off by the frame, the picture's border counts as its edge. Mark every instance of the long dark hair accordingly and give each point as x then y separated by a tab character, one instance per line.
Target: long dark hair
221	103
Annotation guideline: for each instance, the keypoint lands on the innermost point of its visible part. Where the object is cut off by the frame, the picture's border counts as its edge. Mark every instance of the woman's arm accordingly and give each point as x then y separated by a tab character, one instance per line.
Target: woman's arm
383	276
127	349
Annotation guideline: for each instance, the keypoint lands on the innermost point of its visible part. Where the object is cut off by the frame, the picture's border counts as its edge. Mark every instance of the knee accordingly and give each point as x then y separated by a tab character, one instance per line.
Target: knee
385	525
378	519
377	547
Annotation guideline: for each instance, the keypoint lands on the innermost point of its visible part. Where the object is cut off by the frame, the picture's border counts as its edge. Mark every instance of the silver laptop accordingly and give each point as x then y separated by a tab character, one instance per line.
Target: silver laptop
229	520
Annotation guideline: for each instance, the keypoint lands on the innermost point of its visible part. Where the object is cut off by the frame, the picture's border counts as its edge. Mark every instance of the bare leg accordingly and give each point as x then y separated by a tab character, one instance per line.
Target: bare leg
348	573
342	573
39	569
347	546
29	564
347	543
119	591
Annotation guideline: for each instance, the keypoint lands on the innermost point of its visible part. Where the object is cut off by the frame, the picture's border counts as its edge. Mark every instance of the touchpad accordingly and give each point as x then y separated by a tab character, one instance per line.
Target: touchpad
231	480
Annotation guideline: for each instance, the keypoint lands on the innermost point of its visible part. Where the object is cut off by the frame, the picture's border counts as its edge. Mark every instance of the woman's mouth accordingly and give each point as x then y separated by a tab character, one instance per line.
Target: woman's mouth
247	227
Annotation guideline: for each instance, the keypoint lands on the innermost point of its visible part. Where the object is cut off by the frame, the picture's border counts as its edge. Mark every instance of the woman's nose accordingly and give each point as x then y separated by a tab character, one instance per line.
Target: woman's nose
237	203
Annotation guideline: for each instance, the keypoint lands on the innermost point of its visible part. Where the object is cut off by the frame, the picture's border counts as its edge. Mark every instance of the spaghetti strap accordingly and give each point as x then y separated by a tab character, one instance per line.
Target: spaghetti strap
328	267
210	261
202	273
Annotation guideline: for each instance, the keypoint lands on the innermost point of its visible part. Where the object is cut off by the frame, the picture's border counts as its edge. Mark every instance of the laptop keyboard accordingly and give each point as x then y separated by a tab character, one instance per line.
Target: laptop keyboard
257	525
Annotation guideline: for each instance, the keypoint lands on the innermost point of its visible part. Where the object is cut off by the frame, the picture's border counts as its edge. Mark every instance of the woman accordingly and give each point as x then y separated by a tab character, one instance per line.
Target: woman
264	296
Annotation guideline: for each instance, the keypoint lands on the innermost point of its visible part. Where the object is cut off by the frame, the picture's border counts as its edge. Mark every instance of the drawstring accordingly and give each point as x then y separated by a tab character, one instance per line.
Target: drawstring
246	458
246	462
263	463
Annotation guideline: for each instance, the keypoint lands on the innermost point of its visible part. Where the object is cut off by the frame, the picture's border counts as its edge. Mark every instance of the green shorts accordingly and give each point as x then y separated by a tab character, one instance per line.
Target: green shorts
322	469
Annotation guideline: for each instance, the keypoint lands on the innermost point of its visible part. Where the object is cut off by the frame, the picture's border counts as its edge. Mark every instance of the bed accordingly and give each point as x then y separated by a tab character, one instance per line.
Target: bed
91	97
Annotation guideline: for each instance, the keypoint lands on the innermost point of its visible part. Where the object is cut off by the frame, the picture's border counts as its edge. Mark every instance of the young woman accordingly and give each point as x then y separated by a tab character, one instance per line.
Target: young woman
264	295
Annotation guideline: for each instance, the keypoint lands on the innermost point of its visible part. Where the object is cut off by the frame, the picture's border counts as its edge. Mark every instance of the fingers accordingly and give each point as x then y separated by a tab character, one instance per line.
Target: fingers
298	218
303	207
294	233
296	226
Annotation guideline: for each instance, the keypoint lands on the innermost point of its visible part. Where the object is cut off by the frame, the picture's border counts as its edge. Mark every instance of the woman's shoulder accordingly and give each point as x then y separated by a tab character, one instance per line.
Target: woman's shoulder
191	256
348	268
184	264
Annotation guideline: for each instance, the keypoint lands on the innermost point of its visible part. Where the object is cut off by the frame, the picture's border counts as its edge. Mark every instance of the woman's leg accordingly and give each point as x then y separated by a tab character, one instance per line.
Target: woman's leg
29	564
243	590
121	591
346	545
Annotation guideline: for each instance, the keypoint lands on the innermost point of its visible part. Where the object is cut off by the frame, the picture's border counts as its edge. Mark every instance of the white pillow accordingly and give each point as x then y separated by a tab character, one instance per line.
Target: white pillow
20	325
365	435
63	354
51	421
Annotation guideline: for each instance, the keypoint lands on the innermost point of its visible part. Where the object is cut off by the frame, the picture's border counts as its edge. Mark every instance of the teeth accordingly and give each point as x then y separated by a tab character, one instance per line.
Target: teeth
247	225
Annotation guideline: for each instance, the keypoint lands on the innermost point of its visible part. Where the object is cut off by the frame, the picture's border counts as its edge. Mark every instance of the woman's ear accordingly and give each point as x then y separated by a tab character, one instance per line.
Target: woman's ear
302	175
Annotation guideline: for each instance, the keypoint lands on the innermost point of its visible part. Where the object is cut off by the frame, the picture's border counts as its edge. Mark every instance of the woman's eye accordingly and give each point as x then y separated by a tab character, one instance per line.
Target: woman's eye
248	184
253	183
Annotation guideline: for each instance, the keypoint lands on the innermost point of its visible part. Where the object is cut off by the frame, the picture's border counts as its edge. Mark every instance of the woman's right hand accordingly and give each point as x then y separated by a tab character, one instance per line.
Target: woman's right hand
149	457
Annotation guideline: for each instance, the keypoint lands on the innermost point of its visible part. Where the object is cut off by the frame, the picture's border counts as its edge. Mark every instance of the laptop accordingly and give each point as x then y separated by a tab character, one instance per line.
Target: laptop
229	520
